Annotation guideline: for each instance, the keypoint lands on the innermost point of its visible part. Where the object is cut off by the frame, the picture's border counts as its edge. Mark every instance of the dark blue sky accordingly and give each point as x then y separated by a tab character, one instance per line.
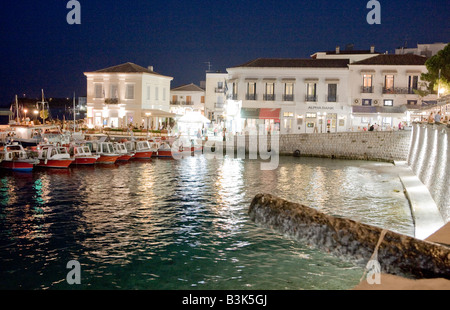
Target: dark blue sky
40	50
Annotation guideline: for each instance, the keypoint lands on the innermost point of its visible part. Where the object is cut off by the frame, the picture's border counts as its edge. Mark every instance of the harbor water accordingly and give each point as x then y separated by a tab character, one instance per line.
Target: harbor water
183	224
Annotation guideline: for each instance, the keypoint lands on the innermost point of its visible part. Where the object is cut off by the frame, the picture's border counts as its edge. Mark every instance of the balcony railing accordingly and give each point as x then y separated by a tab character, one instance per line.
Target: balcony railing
398	90
366	89
250	97
219	105
331	98
220	90
232	96
288	97
111	100
182	103
269	97
311	98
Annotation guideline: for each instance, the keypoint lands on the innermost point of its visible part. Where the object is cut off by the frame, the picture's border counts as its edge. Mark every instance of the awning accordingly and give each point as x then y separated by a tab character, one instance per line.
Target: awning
270	114
158	113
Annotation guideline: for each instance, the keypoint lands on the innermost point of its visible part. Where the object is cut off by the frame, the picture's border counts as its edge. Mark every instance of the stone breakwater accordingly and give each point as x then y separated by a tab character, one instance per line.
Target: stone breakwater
397	254
377	145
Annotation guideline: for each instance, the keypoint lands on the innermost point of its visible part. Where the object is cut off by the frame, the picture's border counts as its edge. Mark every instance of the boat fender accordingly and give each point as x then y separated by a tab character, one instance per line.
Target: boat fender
297	153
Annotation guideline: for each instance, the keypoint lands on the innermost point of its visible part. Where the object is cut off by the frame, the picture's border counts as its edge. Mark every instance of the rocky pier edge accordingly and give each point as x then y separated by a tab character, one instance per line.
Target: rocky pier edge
397	254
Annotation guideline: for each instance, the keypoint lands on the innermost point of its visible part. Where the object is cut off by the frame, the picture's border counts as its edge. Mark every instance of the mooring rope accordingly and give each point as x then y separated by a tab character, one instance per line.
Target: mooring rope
375	252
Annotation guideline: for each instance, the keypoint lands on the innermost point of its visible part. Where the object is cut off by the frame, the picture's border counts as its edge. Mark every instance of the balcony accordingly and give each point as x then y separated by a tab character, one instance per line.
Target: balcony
367	89
269	97
250	97
288	97
232	97
181	103
220	90
311	98
331	98
398	90
111	100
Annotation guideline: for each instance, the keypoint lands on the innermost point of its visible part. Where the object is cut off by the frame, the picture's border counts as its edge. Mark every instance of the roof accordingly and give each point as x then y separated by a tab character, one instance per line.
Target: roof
394	60
128	67
188	87
295	63
349	52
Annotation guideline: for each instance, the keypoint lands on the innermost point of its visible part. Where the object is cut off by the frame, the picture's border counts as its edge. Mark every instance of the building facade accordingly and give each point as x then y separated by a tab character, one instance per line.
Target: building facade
187	98
215	96
333	91
290	95
127	95
383	90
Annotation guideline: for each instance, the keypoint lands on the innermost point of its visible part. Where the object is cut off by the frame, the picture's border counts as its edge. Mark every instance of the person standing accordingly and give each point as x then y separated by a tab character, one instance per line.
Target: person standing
437	118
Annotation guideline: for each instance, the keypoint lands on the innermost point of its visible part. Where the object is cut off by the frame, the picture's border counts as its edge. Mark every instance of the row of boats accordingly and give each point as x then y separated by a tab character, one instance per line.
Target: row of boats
14	156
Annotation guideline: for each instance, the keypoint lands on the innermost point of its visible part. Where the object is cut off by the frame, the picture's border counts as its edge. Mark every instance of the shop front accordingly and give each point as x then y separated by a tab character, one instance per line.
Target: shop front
321	118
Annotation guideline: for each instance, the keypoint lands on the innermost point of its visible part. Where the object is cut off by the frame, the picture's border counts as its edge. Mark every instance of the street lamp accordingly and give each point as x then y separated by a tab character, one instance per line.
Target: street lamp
25	111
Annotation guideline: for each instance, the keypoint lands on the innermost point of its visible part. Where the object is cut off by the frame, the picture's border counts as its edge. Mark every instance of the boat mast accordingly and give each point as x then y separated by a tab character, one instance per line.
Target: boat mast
17	110
74	115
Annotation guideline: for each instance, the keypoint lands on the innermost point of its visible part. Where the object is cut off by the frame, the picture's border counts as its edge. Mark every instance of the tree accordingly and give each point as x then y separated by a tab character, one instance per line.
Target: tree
440	61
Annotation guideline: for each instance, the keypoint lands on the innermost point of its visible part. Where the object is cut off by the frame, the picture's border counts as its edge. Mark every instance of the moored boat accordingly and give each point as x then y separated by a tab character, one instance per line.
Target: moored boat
14	157
164	150
121	149
53	156
84	156
141	148
106	152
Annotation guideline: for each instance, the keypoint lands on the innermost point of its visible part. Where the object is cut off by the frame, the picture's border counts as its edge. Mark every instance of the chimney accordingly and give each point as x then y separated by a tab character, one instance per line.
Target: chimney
372	49
338	49
150	68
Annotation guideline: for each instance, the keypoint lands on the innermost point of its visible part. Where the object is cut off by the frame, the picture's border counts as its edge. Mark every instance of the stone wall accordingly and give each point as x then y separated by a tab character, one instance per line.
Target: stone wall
429	159
378	145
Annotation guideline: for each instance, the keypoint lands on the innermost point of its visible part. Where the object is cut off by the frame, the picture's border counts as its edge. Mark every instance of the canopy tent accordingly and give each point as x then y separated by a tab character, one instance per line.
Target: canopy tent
158	113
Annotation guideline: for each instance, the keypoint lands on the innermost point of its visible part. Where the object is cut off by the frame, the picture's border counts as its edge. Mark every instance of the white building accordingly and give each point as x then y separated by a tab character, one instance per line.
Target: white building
290	95
426	50
126	95
187	98
215	98
382	90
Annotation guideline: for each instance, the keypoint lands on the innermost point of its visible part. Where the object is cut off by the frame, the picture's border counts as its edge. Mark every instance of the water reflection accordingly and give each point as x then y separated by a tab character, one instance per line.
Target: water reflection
169	224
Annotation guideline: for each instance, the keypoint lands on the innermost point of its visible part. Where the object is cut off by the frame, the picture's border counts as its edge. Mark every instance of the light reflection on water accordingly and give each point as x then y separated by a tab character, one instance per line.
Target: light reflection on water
166	224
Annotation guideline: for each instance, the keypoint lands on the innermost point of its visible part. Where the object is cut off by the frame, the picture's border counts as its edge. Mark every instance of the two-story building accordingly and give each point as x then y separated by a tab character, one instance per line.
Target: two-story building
291	95
382	90
127	94
187	98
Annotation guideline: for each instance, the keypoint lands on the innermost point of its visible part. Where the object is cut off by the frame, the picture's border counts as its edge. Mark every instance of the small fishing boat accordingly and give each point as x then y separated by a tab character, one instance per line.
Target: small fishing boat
84	156
141	148
53	156
14	157
106	152
121	149
165	150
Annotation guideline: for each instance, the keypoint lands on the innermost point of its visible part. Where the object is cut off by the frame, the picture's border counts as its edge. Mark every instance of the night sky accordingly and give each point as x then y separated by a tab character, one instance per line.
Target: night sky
39	49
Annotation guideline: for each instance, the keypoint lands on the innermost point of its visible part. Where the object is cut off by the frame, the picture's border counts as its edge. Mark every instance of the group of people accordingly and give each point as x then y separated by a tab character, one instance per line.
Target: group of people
437	118
376	127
